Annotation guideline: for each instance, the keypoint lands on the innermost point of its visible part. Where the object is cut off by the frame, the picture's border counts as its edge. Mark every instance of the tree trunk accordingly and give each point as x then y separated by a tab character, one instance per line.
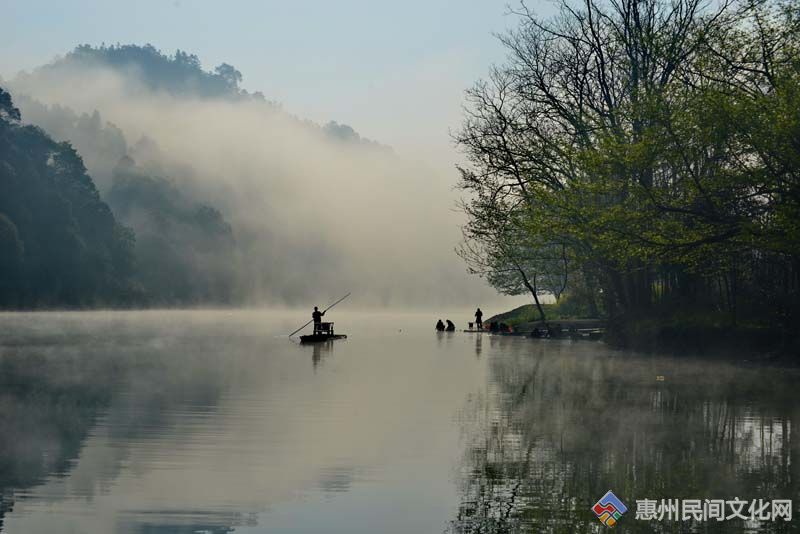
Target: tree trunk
532	289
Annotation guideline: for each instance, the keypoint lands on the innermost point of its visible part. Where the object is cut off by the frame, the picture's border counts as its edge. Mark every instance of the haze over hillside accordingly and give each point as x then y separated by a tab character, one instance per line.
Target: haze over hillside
314	210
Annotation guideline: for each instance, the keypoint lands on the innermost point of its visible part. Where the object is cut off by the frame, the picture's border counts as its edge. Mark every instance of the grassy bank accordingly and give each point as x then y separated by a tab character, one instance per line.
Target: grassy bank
528	313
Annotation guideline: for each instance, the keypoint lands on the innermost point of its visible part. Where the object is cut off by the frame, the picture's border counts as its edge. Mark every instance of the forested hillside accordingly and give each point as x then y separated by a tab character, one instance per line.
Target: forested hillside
100	143
185	251
60	244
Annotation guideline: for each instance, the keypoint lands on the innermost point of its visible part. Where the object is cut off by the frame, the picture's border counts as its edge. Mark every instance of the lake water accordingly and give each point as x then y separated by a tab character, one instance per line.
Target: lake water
150	422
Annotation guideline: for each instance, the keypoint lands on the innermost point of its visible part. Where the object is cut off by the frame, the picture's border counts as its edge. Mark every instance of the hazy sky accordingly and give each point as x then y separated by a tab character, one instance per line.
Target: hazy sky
395	71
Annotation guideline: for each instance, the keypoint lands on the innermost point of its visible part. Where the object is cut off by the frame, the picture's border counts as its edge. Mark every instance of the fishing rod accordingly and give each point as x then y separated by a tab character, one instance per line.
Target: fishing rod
323	311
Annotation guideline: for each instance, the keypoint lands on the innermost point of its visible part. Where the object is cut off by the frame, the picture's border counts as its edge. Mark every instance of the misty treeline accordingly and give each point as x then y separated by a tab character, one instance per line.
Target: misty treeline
180	74
59	242
136	228
233	200
63	245
643	158
145	242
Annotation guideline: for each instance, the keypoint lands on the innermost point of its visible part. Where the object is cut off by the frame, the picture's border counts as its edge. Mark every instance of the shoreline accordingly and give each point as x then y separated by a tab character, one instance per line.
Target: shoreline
669	335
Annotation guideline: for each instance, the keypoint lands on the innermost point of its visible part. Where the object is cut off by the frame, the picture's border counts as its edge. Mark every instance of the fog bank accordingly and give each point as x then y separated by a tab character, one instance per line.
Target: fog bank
315	214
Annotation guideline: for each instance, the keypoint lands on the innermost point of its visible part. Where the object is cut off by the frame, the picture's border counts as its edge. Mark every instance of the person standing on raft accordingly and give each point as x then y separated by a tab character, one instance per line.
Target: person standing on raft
316	315
479	319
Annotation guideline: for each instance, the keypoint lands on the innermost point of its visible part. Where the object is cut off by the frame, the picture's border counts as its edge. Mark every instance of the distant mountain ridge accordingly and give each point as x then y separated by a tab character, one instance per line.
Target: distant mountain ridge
179	75
185	251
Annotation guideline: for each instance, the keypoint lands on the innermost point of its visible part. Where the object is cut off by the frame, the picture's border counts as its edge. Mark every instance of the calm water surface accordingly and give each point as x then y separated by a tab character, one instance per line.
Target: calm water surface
148	422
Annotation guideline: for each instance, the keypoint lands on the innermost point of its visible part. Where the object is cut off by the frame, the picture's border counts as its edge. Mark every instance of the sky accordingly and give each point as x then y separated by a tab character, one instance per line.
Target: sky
395	71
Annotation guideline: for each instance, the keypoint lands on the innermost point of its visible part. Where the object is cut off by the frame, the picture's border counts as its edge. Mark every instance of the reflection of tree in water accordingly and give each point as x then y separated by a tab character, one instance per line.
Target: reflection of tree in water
50	399
46	410
560	424
6	506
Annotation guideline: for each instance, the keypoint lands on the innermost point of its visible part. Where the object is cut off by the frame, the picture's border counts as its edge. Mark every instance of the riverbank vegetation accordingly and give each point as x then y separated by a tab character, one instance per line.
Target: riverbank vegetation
642	157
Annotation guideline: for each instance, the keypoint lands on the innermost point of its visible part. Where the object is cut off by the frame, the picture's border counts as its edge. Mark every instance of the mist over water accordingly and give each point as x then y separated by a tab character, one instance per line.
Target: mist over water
209	421
313	214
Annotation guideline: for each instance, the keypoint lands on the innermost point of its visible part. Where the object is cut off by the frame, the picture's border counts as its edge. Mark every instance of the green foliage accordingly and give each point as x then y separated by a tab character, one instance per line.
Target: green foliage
527	313
567	308
658	142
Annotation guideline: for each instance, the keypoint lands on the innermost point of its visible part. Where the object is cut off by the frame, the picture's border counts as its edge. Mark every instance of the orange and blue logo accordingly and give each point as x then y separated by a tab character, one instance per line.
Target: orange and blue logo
609	509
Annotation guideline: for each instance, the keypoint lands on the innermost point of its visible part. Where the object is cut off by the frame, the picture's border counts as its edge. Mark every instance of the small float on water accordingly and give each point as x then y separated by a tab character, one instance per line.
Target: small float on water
322	332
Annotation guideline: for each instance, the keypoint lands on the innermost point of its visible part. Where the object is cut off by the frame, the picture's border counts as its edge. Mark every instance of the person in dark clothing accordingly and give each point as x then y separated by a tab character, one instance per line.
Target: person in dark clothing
317	316
439	326
450	326
479	319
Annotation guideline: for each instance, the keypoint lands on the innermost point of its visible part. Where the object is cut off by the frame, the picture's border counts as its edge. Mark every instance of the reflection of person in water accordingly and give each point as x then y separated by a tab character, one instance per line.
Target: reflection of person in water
319	351
440	326
479	319
450	326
